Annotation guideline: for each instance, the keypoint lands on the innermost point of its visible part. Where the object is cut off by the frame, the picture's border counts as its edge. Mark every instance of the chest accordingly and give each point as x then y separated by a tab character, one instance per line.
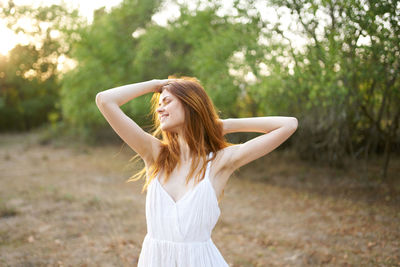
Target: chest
176	185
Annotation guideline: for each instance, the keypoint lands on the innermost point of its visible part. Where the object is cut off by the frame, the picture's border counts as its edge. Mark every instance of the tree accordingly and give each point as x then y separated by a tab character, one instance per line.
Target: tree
345	81
104	51
29	74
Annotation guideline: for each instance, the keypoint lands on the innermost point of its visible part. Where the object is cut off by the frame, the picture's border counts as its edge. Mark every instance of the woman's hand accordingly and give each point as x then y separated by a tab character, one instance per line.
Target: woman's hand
161	83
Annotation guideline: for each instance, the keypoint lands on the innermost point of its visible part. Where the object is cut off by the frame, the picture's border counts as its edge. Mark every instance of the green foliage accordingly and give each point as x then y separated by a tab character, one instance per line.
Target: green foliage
29	75
199	43
104	52
344	85
27	93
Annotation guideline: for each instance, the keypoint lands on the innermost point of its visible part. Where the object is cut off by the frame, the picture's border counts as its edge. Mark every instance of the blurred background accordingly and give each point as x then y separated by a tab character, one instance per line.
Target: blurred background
328	196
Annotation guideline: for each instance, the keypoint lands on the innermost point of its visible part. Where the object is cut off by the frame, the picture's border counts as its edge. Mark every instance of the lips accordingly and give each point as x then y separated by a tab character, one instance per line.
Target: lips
163	116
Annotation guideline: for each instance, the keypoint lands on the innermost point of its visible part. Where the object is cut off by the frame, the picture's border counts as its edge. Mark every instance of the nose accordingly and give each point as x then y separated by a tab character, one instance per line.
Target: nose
160	109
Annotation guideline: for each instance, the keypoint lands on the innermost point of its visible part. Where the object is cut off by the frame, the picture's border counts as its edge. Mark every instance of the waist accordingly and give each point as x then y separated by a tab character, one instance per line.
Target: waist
178	243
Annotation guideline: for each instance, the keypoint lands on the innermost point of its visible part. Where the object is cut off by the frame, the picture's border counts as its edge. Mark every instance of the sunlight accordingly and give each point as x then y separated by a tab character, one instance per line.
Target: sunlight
9	39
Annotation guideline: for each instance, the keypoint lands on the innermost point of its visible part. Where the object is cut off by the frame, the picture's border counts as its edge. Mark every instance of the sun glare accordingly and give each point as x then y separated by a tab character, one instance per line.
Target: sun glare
8	39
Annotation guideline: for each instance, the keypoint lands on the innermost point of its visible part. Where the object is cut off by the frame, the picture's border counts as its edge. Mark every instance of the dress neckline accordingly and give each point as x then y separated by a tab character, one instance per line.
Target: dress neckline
192	190
175	202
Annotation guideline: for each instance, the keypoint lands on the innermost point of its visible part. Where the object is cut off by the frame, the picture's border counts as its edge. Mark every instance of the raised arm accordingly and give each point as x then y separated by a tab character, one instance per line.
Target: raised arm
276	128
109	102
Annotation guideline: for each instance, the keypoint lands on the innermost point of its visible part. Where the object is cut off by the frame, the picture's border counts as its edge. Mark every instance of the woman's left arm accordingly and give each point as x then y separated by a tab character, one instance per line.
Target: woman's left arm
258	124
276	130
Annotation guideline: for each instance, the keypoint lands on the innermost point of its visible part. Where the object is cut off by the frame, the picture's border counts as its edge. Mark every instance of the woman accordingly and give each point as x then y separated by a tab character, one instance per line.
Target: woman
189	167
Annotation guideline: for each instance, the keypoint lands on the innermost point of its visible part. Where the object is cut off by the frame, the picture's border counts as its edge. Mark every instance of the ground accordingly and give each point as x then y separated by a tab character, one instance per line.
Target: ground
65	204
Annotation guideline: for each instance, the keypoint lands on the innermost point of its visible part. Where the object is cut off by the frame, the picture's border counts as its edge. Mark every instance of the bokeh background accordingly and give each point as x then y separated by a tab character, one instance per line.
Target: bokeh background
329	196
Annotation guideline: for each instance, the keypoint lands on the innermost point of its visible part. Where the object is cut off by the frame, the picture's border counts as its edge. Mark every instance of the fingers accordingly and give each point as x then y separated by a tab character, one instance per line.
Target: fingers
165	83
169	81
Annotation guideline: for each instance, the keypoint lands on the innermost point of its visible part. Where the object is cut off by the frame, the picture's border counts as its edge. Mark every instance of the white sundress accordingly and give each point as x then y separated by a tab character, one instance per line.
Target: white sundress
179	233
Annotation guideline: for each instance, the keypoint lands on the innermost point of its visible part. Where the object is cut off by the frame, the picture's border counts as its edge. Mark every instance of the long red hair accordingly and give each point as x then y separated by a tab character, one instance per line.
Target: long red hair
202	131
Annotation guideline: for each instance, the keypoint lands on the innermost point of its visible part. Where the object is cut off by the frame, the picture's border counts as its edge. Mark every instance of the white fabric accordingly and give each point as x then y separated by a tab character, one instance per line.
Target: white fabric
179	233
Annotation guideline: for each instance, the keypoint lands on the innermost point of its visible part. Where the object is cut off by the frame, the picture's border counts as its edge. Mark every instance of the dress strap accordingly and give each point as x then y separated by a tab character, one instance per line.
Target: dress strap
208	165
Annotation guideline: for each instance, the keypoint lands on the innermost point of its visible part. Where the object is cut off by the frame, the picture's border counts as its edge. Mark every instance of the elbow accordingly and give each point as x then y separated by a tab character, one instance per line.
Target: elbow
294	123
98	99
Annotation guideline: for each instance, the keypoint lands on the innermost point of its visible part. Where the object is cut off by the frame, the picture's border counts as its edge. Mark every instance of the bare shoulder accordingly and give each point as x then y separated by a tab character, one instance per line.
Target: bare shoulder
236	156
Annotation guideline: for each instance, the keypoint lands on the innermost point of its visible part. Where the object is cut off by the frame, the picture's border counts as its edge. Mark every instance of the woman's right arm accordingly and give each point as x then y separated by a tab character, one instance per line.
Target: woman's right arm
109	102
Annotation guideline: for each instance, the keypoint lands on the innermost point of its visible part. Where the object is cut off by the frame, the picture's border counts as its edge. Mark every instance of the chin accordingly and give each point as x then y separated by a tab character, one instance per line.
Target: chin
167	129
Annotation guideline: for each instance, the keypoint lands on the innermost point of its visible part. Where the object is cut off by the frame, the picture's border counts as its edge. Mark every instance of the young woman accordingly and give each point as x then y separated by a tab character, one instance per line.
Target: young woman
188	168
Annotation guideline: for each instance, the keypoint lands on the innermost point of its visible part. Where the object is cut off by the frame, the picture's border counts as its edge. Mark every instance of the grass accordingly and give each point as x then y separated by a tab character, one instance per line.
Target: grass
7	211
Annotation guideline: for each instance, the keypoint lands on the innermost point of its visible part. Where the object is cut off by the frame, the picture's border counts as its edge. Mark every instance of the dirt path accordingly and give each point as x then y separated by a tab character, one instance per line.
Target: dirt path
70	206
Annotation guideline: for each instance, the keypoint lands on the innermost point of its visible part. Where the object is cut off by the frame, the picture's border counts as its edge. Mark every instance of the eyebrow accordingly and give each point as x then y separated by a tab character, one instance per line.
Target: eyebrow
163	100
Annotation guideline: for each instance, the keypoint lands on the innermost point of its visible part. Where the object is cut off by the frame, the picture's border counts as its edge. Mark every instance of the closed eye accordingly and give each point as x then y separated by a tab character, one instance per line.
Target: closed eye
164	100
166	103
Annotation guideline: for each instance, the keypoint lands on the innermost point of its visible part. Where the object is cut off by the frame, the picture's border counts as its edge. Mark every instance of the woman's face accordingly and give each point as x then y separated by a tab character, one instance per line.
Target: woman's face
170	112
